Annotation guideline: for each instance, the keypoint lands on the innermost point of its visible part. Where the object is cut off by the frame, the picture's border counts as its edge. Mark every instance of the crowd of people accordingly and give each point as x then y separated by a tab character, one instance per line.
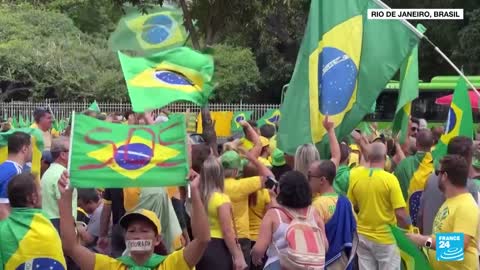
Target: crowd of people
253	206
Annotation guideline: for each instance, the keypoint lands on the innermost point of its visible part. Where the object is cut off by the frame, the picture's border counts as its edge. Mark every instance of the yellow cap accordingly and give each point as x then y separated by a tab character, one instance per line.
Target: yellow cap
264	141
141	214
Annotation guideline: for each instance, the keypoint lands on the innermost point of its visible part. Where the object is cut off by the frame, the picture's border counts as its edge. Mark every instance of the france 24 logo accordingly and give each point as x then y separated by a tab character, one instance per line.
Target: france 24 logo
449	247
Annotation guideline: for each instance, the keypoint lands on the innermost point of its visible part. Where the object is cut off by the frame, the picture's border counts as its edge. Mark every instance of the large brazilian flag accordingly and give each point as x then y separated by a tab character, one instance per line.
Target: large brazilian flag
29	241
344	62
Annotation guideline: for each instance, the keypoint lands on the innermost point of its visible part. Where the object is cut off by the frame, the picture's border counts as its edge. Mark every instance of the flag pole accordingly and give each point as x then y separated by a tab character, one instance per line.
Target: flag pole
71	141
420	35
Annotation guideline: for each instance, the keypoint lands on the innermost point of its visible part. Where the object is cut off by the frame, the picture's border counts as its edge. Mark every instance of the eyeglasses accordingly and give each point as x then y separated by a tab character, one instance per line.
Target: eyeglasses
413	128
439	172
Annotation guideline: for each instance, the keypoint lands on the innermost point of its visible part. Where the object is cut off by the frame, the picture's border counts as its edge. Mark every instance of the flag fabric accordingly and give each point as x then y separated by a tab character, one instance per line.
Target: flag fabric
21	121
407	93
21	232
221	122
412	257
159	29
270	117
237	118
459	121
94	107
344	62
37	147
128	156
165	77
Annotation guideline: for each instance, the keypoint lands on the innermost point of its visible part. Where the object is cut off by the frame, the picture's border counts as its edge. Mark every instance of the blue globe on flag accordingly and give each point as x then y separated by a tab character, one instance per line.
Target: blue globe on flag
171	78
451	121
41	263
157	29
133	156
337	77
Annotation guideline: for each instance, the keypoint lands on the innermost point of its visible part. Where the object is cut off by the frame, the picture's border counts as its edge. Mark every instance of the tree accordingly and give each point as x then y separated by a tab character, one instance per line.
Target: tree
468	50
43	55
236	74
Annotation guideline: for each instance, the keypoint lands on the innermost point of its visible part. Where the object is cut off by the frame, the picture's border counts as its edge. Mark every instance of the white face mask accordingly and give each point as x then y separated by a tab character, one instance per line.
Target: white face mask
139	245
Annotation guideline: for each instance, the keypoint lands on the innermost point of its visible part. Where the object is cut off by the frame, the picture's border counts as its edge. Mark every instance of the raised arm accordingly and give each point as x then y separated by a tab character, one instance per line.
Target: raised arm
71	247
262	169
332	138
200	226
251	135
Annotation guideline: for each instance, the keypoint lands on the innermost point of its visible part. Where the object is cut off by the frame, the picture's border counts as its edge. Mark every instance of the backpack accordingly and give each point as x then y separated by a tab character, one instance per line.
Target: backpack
305	243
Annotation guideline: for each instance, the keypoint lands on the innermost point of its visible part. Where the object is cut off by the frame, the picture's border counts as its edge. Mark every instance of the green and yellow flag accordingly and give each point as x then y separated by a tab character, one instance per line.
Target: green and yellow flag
37	147
29	241
21	121
459	121
408	92
112	155
270	117
159	29
412	257
165	77
238	117
345	61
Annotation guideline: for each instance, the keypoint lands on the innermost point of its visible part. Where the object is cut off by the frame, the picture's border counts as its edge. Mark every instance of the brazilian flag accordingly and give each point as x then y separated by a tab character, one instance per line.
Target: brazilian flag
29	241
238	117
37	147
128	156
158	29
345	61
407	93
412	257
270	117
165	77
459	121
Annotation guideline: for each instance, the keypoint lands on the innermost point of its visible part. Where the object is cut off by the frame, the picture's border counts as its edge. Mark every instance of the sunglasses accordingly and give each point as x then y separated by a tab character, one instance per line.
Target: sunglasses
439	172
413	129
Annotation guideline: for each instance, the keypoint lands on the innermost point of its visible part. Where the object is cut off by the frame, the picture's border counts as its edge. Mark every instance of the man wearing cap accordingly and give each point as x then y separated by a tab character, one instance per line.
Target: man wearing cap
279	164
265	152
238	191
143	233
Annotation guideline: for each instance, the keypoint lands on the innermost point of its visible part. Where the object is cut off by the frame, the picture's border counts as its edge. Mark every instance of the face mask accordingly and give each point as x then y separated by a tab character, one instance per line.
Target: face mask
139	245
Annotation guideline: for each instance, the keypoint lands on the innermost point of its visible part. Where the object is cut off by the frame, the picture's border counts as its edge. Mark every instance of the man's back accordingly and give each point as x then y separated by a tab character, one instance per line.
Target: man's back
22	233
405	170
376	194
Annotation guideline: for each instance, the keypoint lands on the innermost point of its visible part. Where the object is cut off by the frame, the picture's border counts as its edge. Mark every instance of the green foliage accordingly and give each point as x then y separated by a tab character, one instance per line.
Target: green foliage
468	51
235	72
43	55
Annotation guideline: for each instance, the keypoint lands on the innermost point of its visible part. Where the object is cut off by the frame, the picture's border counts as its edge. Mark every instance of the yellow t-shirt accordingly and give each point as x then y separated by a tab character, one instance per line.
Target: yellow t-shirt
325	205
216	200
458	214
174	261
256	213
238	191
376	193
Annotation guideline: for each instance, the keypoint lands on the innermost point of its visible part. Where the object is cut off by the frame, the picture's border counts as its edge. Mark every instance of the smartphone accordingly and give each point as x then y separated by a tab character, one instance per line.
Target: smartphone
271	182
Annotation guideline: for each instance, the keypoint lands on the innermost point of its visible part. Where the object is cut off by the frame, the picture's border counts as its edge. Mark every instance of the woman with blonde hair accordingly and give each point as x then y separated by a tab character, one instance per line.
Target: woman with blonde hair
222	252
308	153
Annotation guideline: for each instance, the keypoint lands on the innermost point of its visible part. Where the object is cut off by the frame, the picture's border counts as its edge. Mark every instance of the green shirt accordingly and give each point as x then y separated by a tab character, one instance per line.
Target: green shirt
50	193
340	184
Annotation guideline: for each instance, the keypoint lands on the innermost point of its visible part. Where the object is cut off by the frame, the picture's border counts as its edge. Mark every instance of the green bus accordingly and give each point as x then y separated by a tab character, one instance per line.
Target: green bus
424	106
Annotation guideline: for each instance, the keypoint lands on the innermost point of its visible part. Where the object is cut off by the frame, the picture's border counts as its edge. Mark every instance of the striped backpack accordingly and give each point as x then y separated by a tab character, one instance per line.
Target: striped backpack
305	243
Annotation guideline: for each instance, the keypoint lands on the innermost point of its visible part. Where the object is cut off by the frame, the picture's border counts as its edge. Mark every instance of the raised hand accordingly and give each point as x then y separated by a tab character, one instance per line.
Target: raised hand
328	125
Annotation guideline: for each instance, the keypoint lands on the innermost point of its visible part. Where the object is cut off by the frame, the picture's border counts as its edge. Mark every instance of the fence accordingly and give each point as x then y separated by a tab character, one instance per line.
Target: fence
63	110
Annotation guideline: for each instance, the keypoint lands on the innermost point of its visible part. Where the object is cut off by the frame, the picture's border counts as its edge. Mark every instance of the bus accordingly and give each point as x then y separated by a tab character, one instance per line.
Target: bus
424	106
